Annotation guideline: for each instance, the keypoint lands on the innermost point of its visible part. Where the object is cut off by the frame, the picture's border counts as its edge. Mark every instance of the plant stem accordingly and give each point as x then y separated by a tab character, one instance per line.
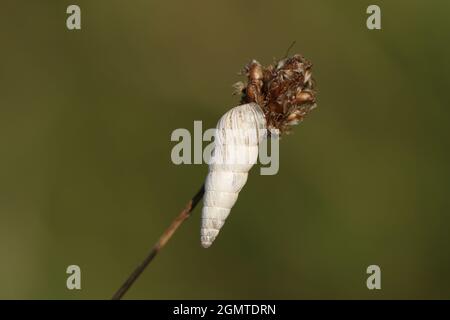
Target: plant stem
165	237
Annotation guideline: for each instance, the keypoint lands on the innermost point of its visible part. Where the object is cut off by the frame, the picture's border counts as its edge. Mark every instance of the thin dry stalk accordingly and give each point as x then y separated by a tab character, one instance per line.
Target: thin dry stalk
165	237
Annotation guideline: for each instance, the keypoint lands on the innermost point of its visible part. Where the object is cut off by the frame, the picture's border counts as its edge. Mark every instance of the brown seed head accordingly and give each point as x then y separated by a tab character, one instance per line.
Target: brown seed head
284	91
255	71
303	97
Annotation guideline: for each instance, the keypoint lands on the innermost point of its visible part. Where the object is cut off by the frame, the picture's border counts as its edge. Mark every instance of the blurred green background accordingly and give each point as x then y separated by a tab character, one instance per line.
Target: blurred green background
85	170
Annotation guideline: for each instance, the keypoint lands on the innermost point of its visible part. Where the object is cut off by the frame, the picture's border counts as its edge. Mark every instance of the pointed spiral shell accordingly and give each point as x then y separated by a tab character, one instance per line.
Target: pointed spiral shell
236	143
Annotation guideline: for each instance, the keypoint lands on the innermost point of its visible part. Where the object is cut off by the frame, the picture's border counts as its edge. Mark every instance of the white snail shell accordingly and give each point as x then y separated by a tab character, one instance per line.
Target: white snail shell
236	144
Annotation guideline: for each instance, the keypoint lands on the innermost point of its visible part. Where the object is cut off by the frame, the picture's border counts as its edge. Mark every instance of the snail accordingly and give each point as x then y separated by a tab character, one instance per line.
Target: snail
275	97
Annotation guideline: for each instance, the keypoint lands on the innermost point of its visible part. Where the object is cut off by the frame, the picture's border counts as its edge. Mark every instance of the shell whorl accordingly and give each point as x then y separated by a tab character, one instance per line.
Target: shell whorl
236	143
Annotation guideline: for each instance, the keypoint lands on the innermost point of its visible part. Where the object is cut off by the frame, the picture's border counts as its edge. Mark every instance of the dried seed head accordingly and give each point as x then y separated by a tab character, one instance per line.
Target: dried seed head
255	71
284	91
304	96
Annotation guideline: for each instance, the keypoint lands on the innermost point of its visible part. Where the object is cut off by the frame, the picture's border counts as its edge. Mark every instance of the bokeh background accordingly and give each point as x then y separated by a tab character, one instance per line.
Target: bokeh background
85	170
